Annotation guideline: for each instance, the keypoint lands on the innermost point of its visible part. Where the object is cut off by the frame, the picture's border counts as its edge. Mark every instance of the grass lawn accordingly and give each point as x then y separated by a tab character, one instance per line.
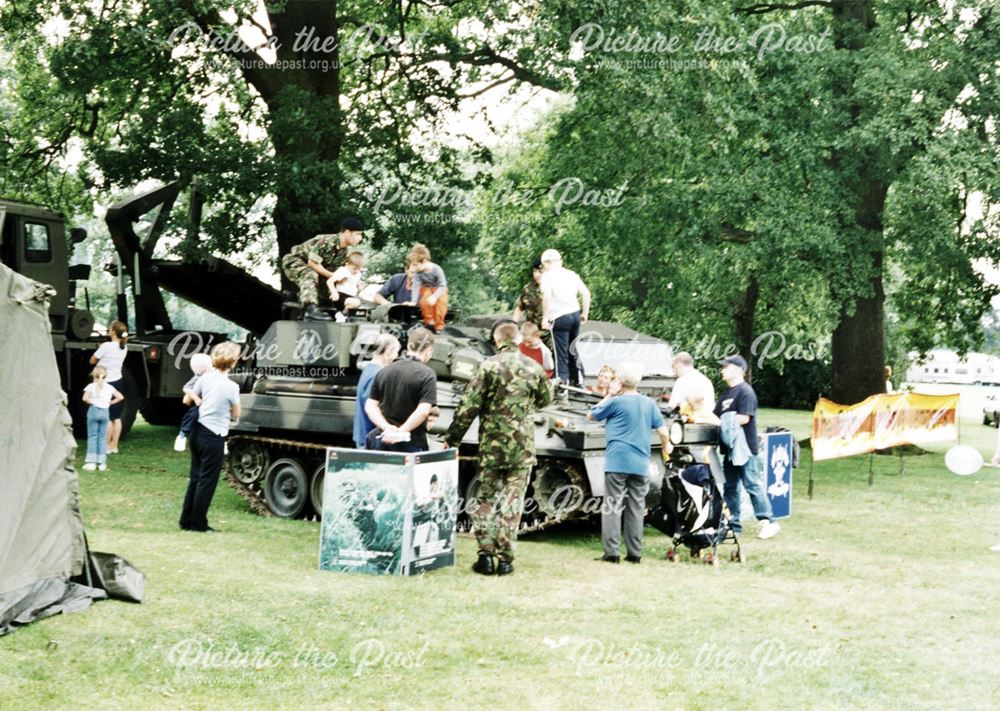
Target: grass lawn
871	597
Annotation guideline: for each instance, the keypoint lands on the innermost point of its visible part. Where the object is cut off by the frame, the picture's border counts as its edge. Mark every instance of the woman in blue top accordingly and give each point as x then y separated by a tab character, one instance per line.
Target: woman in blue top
386	350
629	418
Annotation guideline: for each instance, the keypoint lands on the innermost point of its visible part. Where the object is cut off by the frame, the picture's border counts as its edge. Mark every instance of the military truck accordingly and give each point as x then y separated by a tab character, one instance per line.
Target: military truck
298	391
33	242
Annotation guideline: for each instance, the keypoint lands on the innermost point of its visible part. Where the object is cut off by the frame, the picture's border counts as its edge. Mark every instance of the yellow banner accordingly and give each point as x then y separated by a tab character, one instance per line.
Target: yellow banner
880	422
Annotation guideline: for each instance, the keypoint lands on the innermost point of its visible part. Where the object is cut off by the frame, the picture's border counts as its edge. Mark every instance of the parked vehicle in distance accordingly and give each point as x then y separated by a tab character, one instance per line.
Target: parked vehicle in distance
991	409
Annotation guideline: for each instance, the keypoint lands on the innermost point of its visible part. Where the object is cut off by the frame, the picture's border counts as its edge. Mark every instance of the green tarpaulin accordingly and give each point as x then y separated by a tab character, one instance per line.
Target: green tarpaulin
42	543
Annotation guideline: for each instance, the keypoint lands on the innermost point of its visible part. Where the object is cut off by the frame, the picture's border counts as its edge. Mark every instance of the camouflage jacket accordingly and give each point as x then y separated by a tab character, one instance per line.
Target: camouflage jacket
505	392
324	249
530	302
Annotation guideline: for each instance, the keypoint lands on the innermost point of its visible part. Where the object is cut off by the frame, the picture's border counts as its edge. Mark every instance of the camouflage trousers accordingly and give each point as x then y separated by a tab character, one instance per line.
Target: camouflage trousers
306	279
498	515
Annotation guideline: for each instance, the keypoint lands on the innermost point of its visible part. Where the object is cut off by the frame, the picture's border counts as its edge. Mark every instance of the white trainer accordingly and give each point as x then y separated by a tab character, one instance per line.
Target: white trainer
102	467
89	467
996	548
180	444
769	529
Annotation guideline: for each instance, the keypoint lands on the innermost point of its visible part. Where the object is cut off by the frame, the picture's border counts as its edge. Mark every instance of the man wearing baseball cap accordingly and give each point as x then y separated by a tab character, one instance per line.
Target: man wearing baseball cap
741	400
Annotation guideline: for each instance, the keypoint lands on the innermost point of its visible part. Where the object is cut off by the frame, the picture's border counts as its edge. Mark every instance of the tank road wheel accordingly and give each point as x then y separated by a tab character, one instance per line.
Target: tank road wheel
248	461
286	488
560	490
316	490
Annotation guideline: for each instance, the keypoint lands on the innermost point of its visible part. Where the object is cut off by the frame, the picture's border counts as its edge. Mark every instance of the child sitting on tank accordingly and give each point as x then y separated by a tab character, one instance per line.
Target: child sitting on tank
200	363
345	284
430	288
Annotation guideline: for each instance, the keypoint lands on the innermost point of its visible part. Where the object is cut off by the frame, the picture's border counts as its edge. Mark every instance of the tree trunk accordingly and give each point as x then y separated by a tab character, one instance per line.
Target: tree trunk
743	322
858	346
305	123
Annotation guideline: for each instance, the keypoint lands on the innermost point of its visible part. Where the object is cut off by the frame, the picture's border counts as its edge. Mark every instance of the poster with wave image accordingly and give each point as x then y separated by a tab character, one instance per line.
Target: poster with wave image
365	500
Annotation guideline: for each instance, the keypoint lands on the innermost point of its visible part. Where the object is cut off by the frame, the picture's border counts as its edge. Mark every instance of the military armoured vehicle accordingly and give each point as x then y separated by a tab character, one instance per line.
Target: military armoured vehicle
33	242
298	392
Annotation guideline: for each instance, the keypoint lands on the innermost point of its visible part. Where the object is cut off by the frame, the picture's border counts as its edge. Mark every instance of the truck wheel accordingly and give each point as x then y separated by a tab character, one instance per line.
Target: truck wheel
78	411
130	408
163	411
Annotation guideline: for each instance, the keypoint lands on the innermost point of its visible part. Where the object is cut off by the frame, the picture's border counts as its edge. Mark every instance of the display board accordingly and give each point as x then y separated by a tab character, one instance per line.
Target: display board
388	513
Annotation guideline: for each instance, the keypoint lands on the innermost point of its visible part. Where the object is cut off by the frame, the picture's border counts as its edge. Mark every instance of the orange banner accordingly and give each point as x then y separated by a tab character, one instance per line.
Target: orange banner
880	422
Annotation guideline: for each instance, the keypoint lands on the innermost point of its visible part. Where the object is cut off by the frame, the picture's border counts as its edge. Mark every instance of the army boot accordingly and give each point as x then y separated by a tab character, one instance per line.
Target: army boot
505	567
484	566
312	313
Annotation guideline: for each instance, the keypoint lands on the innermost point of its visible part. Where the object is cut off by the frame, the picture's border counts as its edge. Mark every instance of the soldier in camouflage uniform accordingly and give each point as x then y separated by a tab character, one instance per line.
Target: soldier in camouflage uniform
529	303
504	392
316	259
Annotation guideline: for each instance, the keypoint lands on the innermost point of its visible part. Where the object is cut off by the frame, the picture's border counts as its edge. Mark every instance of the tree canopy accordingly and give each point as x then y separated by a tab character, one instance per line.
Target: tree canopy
717	172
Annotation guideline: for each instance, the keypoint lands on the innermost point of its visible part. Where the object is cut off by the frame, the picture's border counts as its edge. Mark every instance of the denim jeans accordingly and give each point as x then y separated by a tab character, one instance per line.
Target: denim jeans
97	435
565	331
189	420
749	475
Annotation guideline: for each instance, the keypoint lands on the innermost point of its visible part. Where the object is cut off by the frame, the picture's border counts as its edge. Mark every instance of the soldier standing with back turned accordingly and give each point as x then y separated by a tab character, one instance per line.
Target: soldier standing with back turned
504	392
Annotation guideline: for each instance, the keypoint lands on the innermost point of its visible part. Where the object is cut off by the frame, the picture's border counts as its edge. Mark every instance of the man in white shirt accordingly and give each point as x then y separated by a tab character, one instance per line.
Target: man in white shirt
562	293
692	386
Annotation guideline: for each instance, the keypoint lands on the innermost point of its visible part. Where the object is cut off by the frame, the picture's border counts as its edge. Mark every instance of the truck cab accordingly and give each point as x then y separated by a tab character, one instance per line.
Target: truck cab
33	243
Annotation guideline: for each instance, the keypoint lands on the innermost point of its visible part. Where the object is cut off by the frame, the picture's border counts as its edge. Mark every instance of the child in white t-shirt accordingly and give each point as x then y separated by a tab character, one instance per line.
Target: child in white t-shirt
100	395
345	283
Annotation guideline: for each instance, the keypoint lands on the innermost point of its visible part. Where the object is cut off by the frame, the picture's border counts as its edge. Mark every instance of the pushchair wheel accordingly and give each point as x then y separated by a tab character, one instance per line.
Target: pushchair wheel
672	555
738	556
711	559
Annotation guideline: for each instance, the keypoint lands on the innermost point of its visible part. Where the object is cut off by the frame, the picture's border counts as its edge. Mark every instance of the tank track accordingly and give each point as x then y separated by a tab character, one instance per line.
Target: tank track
253	493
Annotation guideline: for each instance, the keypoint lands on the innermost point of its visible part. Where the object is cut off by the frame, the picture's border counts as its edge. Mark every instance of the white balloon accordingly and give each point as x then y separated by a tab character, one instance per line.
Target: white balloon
963	460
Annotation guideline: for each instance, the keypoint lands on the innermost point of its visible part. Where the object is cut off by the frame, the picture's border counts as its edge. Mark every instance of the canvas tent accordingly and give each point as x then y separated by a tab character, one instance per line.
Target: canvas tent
42	542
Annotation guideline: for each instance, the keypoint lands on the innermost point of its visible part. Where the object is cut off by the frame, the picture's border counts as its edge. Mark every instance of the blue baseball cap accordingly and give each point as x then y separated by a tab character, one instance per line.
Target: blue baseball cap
736	360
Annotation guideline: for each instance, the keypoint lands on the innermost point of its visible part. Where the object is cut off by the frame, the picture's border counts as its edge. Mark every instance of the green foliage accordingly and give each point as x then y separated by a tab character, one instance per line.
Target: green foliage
168	91
798	385
769	170
718	193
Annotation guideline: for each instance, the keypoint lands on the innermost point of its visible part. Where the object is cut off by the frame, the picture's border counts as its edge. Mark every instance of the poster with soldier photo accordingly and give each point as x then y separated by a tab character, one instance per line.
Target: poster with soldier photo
365	500
388	513
431	540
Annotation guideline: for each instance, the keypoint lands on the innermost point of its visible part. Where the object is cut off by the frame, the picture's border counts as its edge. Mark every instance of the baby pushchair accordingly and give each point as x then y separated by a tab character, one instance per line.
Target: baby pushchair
693	513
